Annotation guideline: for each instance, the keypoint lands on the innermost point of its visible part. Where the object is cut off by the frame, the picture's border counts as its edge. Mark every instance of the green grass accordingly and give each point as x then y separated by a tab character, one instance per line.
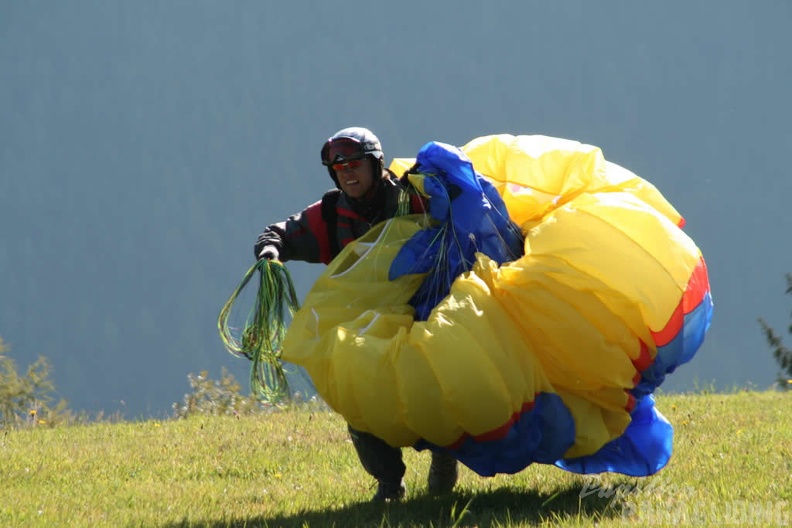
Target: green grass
732	463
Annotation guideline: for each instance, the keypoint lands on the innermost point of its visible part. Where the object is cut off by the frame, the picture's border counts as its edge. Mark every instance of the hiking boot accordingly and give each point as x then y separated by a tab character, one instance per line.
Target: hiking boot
390	491
443	473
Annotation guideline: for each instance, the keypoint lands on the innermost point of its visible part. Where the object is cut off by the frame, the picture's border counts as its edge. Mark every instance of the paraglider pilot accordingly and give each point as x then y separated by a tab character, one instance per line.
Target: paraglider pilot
366	193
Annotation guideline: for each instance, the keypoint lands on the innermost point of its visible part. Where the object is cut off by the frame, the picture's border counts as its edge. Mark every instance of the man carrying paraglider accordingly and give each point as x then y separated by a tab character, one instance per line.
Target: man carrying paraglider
366	193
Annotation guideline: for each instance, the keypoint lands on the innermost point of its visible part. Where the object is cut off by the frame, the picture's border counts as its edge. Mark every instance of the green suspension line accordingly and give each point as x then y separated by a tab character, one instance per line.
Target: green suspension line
261	337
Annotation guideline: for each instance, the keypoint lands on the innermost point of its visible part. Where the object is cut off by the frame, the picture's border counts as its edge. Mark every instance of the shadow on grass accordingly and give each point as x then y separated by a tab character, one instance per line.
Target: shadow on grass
500	508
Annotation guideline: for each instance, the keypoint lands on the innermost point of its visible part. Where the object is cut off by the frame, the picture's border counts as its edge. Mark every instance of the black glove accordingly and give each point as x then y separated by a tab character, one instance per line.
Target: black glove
268	252
263	244
404	179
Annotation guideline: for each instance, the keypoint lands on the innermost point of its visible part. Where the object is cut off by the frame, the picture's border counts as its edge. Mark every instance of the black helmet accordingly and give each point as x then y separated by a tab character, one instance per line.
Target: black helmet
350	144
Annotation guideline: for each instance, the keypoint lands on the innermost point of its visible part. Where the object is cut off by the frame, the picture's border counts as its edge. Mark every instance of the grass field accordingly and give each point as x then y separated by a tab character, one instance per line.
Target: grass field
732	464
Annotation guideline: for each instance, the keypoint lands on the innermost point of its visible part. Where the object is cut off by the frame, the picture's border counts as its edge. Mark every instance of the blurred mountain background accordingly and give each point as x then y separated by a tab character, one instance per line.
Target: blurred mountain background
144	145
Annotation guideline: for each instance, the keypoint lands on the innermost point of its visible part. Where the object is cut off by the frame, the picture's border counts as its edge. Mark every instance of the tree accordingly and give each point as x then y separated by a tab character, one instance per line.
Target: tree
781	353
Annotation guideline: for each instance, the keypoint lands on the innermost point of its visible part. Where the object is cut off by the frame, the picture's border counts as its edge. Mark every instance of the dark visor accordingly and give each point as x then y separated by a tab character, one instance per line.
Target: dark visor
341	149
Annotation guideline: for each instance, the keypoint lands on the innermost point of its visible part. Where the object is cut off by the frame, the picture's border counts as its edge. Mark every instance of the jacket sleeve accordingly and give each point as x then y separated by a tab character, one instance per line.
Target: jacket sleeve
299	237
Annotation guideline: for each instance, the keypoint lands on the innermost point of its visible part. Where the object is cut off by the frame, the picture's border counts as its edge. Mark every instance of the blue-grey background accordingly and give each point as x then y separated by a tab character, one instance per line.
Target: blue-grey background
145	144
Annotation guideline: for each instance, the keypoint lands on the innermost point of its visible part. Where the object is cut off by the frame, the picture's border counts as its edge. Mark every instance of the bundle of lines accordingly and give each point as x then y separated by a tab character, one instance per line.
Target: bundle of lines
260	336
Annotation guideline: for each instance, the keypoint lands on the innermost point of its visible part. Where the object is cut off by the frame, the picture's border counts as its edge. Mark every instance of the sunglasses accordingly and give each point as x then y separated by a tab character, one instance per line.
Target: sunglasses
351	164
342	149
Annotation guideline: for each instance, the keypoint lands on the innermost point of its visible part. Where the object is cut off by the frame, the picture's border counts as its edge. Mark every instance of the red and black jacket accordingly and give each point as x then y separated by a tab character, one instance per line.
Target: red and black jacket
310	235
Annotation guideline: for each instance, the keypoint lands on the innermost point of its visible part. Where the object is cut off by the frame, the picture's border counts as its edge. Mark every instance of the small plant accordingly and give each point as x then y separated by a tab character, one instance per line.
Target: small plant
216	397
781	353
26	399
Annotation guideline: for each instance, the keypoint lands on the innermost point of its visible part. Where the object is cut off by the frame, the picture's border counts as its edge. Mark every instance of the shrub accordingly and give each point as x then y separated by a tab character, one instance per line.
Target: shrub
781	353
216	397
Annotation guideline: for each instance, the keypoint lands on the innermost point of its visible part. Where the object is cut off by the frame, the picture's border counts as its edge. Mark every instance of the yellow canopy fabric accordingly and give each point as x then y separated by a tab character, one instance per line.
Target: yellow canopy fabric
606	267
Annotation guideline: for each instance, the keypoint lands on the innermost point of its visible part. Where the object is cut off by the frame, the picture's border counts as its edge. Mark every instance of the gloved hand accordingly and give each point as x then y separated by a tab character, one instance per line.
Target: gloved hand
262	250
269	253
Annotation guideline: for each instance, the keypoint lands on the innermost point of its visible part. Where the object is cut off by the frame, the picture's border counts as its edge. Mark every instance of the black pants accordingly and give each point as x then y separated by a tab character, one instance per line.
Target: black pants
381	461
